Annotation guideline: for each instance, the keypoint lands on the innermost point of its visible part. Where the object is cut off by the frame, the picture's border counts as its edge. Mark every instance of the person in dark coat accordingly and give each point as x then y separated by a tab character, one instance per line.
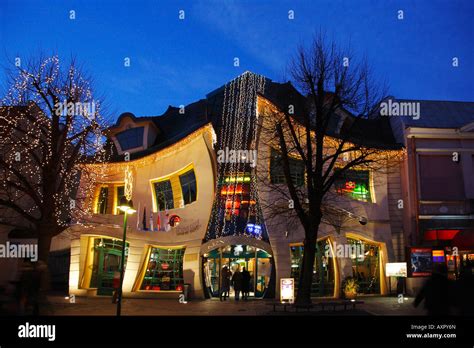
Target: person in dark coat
435	292
245	283
465	291
225	283
237	283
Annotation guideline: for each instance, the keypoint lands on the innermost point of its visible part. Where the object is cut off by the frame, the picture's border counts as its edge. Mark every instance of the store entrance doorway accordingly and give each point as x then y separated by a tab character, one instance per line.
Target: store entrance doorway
107	259
256	261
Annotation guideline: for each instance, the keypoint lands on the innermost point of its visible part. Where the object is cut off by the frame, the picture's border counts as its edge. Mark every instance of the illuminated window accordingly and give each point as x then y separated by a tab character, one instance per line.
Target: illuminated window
130	138
102	201
277	174
354	184
120	192
235	194
188	186
365	265
164	195
323	269
164	270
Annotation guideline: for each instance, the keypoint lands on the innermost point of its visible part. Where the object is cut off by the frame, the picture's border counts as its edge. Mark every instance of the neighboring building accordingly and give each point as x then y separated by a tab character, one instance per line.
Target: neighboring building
178	176
438	186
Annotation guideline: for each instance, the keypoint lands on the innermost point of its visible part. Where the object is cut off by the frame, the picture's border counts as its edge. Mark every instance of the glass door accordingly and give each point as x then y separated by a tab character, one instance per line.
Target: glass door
109	263
257	262
263	273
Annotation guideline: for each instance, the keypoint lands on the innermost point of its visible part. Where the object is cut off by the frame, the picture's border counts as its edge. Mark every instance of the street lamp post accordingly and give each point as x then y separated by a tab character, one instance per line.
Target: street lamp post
127	208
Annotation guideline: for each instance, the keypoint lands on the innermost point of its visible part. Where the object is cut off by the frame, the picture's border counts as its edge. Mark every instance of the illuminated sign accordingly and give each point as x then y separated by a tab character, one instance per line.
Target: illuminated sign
231	179
350	185
174	220
396	269
238	249
355	189
438	255
287	290
254	229
421	262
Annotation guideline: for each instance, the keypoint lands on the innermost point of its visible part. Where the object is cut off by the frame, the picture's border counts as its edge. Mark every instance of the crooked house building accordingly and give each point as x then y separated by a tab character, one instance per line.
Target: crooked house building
197	213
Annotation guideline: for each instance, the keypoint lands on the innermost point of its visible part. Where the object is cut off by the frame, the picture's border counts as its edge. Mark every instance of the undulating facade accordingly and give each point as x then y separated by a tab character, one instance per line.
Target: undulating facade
198	210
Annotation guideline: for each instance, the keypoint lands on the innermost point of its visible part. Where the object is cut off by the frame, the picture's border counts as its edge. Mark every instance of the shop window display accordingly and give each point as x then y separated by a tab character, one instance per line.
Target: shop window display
323	271
365	267
164	270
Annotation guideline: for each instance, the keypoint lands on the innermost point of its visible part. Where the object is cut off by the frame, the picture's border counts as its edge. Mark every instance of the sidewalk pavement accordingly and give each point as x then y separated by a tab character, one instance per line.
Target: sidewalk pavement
58	305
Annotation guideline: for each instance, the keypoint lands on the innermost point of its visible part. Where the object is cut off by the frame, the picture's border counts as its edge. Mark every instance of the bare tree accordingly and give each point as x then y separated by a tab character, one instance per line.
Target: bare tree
325	135
50	124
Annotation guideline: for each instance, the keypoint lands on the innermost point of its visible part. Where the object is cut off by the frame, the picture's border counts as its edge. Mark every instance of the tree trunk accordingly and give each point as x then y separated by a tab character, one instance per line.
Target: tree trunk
303	296
45	236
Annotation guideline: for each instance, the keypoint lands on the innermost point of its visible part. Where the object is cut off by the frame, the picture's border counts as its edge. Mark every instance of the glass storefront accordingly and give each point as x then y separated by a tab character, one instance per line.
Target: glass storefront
458	262
164	270
365	265
257	261
323	271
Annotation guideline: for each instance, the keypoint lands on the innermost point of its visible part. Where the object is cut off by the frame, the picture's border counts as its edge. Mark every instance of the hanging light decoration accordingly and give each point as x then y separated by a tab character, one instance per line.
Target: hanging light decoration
236	202
128	183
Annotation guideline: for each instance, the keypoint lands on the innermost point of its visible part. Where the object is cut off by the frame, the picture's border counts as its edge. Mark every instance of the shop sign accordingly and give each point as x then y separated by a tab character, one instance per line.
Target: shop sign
287	290
396	269
438	256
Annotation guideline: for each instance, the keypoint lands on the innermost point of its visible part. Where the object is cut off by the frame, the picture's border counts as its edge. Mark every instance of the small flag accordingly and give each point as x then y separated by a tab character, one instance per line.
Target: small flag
158	220
151	221
167	221
144	219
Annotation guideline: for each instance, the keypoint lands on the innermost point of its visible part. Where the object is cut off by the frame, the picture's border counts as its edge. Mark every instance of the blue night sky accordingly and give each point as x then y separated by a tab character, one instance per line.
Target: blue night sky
177	61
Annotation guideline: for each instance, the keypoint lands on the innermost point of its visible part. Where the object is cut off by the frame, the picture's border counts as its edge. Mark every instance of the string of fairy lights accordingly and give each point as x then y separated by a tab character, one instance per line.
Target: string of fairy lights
238	132
30	113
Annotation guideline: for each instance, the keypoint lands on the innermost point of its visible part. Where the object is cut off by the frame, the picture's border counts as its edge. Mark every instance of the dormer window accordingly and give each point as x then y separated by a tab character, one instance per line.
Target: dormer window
131	138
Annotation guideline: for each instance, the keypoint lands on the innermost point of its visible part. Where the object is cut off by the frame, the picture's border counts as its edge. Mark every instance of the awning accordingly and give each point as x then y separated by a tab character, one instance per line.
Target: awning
463	239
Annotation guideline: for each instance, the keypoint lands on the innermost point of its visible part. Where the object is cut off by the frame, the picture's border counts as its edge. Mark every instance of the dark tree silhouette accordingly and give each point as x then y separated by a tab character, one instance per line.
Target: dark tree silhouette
325	135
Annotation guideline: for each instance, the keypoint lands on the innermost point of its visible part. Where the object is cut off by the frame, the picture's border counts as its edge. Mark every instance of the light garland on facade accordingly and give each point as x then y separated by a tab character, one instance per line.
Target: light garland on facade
119	167
238	132
128	183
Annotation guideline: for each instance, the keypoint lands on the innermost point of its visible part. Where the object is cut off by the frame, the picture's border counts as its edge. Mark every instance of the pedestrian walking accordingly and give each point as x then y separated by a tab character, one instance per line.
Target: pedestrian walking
245	283
237	283
116	285
435	292
225	283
